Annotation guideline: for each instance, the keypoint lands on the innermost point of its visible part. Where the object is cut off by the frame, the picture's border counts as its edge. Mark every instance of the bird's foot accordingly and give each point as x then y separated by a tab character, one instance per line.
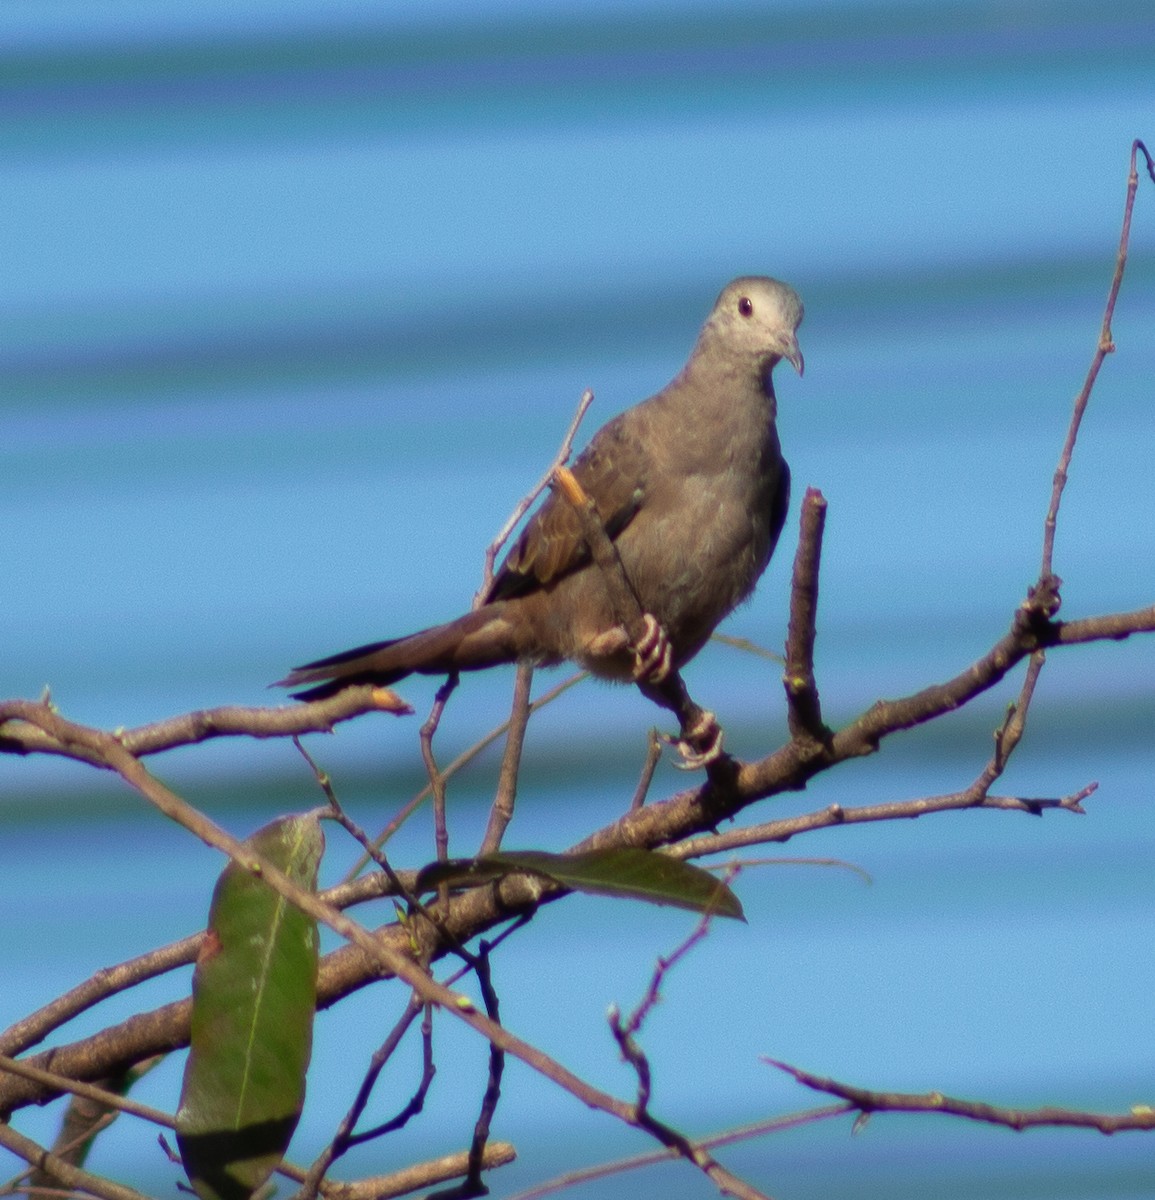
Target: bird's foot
700	744
653	654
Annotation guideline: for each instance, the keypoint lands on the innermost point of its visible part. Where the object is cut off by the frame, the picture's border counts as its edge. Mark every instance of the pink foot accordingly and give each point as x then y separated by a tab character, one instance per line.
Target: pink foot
701	744
653	655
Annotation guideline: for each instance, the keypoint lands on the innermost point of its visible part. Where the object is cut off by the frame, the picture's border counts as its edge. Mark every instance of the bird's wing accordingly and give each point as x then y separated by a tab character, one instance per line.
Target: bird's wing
780	505
612	471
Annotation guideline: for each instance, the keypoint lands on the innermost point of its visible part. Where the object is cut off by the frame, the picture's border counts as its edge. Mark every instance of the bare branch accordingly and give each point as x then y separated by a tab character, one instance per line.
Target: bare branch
1106	346
436	777
523	506
867	1101
73	1177
639	1161
902	810
411	1179
385	959
462	760
472	1185
109	981
686	815
21	735
665	965
101	1095
624	1034
804	712
728	1183
501	812
344	1137
653	757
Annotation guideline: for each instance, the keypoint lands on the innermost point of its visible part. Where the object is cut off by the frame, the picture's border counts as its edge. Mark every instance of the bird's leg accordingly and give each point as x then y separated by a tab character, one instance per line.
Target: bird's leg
700	737
700	743
653	655
699	740
651	650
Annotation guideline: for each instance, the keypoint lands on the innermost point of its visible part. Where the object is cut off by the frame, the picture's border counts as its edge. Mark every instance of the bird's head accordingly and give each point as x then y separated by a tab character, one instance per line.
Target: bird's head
756	317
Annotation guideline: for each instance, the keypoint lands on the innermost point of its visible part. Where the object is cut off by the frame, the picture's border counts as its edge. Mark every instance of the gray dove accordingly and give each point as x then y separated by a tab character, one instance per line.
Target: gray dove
691	486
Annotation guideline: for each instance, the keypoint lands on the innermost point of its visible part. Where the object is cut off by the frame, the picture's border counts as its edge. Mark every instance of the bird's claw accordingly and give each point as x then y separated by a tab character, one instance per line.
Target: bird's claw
653	654
700	744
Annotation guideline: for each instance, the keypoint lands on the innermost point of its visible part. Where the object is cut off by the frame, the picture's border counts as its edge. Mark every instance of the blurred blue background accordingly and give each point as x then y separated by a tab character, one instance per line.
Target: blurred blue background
297	301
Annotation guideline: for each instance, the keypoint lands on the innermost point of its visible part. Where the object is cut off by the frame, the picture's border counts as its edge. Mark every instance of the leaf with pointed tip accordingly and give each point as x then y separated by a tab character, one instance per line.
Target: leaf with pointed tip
627	872
254	995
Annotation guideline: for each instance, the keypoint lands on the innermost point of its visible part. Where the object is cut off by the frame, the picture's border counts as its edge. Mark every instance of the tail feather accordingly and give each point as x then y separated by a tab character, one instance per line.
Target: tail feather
478	639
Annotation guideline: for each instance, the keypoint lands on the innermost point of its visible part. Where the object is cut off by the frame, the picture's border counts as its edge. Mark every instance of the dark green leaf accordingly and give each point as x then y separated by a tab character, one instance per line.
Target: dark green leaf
254	994
630	873
459	873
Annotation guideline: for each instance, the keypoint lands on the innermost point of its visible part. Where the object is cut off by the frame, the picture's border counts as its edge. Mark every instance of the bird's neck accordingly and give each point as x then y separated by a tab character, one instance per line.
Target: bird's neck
746	381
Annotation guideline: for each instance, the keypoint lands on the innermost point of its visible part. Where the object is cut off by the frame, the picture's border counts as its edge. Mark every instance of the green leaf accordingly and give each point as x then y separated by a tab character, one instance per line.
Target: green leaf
254	995
628	872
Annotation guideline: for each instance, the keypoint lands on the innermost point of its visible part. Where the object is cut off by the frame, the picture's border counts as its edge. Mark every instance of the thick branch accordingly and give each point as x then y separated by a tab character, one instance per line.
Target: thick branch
385	959
688	814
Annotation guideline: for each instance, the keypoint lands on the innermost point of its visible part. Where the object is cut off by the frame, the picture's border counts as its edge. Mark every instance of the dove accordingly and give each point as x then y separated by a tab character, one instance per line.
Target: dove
690	485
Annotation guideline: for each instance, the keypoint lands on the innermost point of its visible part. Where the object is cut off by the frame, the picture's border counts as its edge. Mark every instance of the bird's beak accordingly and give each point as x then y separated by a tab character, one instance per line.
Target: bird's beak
793	355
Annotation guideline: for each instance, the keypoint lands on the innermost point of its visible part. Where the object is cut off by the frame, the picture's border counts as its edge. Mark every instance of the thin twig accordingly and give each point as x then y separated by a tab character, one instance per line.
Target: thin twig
342	1139
337	812
472	1185
868	1101
625	1035
88	1090
461	761
1105	346
695	1154
436	778
839	864
416	1102
653	757
899	810
638	1162
747	646
523	505
72	1177
501	811
383	957
666	964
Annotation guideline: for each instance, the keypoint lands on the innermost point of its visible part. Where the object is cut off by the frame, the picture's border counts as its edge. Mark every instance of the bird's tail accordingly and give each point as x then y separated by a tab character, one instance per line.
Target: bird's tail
478	639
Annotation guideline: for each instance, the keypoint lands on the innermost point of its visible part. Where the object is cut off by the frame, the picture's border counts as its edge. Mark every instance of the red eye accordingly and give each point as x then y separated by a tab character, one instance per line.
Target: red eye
746	306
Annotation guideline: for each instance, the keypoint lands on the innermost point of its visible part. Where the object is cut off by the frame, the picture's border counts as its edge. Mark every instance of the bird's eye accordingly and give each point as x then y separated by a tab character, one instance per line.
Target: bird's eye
746	306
